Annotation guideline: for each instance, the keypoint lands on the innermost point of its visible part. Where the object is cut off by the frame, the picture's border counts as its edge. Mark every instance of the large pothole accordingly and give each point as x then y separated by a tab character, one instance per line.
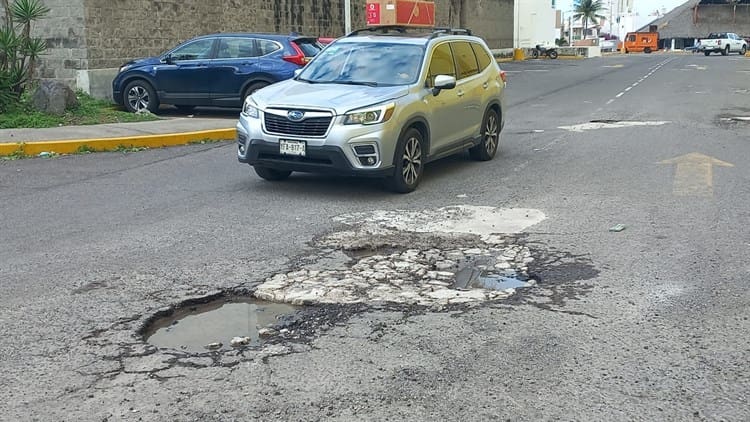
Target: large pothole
222	324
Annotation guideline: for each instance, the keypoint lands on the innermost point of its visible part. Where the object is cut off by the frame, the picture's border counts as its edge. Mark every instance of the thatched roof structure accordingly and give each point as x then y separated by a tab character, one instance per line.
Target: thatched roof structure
698	18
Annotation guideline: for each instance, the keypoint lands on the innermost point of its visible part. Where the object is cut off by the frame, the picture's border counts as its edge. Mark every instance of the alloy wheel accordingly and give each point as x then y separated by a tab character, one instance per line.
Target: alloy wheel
491	134
412	161
138	98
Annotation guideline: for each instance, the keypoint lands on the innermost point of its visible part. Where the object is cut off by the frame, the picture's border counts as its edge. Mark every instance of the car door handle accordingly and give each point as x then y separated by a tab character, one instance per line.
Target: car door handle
460	93
485	85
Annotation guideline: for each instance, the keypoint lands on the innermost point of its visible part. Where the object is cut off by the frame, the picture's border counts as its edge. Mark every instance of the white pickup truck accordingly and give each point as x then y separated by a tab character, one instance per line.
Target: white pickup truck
724	43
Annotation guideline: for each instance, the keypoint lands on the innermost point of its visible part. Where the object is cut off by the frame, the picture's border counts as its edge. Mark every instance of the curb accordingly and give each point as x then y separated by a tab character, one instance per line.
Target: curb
111	144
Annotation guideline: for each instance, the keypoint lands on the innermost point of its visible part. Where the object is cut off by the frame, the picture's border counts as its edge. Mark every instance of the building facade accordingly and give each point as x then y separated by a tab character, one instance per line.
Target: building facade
535	22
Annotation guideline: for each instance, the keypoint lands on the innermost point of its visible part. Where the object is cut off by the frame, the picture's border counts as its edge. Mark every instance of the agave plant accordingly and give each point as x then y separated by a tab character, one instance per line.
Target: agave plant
19	51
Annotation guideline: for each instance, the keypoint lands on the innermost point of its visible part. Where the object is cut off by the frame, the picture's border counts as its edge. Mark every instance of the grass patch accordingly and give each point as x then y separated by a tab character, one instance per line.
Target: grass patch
205	141
16	155
90	111
85	149
126	149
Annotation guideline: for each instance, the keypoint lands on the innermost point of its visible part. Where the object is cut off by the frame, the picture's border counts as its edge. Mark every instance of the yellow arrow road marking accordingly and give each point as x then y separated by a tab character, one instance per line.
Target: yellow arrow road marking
694	174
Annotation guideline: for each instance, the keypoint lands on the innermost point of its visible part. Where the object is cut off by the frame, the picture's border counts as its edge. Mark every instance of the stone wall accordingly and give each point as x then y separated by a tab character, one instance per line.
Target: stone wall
63	29
119	30
89	39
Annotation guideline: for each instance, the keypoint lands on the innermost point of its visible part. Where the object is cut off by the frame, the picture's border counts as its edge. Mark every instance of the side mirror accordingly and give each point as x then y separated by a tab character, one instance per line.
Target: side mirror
168	59
443	82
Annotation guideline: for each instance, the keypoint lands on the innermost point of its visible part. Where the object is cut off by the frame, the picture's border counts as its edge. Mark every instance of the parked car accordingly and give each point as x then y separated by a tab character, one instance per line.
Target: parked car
724	43
380	102
211	70
608	45
326	40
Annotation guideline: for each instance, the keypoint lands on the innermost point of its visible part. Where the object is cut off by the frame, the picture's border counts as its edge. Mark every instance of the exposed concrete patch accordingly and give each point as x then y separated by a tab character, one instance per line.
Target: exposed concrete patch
610	125
413	257
469	219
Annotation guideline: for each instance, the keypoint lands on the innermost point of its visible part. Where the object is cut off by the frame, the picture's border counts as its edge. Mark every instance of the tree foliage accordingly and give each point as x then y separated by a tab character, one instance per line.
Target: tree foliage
587	10
19	51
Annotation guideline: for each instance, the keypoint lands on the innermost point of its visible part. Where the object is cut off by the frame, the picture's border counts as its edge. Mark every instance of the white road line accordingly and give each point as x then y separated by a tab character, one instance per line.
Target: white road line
610	101
619	95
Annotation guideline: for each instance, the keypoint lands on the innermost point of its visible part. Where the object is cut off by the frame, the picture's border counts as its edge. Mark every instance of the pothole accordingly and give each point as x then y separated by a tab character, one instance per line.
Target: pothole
222	324
483	275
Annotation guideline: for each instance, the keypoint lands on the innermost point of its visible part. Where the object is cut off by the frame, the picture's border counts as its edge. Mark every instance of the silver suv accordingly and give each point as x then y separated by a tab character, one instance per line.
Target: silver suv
380	102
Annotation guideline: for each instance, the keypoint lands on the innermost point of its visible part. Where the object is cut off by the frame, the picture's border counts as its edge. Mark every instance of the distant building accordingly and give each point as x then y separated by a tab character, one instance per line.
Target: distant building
695	19
535	22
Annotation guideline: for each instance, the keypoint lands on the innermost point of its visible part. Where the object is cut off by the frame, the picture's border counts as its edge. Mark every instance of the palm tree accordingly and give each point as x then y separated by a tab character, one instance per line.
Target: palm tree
588	10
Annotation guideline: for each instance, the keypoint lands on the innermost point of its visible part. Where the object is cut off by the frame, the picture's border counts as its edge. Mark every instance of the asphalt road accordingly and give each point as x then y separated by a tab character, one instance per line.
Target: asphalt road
649	323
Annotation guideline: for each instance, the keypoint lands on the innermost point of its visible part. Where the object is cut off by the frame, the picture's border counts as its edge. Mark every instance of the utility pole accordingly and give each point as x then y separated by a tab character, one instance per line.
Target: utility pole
347	16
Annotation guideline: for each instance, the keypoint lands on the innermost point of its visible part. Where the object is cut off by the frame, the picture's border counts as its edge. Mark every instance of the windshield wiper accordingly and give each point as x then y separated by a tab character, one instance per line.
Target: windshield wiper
307	80
366	83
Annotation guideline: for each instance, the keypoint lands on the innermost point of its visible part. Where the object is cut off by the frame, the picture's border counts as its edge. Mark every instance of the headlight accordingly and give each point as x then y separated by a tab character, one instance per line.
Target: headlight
250	109
125	67
370	116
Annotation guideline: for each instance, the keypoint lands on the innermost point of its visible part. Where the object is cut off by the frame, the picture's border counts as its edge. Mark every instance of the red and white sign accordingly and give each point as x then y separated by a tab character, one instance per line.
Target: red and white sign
373	13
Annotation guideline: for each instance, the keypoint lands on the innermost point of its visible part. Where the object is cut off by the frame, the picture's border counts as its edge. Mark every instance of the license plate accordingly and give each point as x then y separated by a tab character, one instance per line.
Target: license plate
289	147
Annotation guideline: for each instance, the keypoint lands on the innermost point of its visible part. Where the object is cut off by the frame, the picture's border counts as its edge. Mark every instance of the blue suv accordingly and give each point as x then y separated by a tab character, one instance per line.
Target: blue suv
218	70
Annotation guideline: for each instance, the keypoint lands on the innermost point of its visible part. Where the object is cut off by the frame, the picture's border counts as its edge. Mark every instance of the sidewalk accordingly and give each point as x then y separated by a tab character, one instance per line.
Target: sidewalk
159	133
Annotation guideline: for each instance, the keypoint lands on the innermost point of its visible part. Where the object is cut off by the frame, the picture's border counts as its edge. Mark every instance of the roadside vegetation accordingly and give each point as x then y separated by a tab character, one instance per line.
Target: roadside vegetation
19	54
588	11
89	112
19	51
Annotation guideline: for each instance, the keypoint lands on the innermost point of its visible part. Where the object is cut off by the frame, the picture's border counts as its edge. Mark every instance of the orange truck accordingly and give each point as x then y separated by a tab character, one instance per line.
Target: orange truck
640	41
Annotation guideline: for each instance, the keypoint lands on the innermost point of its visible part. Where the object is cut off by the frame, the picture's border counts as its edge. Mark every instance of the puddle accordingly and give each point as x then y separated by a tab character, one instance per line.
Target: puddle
477	275
499	282
194	328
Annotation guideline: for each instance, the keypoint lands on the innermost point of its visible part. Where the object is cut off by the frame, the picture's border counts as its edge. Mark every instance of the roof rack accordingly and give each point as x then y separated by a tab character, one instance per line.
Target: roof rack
383	29
401	29
437	31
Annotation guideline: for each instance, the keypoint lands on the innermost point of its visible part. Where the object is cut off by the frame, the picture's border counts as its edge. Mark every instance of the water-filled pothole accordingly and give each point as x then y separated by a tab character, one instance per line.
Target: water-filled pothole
477	273
218	325
474	278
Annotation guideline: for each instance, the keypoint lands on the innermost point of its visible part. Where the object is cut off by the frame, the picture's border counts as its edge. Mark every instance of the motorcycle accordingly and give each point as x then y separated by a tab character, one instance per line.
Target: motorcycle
544	51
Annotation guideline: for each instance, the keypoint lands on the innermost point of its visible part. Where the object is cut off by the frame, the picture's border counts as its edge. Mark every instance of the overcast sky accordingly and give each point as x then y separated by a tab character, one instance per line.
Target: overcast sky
642	7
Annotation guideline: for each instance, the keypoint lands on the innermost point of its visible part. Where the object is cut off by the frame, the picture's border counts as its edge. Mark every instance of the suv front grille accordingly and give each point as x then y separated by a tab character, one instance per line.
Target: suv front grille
313	126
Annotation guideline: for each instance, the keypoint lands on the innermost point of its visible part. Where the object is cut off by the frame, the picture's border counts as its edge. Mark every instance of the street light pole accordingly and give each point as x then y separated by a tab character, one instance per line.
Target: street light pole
347	16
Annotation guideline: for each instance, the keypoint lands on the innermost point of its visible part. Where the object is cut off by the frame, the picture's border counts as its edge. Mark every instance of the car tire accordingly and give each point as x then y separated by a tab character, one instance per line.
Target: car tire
139	95
487	147
647	50
743	50
252	88
271	174
535	54
707	53
552	54
408	162
725	51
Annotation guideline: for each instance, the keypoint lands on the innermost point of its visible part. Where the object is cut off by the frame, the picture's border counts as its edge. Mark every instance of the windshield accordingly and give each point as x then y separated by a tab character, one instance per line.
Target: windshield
374	64
716	36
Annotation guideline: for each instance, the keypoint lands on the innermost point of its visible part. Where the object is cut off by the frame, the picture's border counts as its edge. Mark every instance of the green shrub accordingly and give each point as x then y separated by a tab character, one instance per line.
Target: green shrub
19	51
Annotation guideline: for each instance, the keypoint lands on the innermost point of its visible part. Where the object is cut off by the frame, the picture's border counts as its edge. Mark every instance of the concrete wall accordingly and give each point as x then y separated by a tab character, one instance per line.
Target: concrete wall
89	39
